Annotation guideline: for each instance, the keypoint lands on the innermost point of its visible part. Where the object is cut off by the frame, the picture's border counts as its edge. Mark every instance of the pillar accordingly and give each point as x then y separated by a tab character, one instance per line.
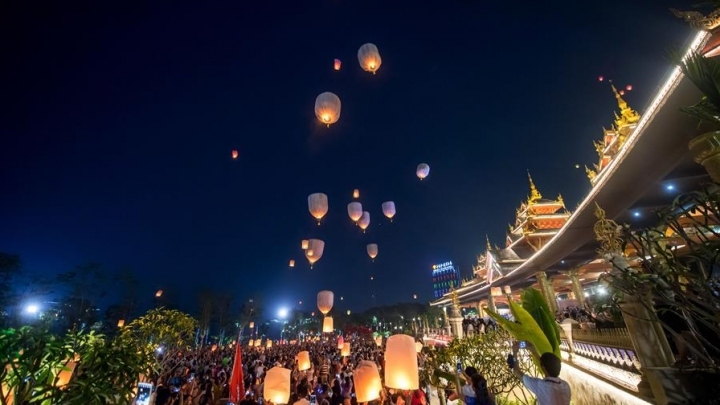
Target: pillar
491	303
481	311
577	288
547	290
456	325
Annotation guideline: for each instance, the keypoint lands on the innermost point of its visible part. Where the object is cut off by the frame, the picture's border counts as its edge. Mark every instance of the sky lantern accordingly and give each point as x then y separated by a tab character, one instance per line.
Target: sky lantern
292	263
388	209
422	170
268	344
314	251
325	301
276	387
369	58
158	293
378	341
304	244
366	379
372	250
327	108
327	324
235	154
318	205
345	350
364	221
121	323
414	296
356	193
622	92
258	342
337	64
303	360
355	211
628	87
418	347
401	363
341	343
600	78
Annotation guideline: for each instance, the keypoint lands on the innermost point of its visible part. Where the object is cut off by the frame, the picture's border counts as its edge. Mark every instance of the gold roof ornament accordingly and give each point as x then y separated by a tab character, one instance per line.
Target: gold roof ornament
608	233
699	20
454	297
560	200
535	195
487	240
590	173
628	116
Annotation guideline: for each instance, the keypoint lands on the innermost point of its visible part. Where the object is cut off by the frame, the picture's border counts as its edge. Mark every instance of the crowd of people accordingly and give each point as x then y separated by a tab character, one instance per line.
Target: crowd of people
202	377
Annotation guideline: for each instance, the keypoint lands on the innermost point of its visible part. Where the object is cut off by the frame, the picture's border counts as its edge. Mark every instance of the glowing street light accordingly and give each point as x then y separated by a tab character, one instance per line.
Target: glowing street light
32	309
283	313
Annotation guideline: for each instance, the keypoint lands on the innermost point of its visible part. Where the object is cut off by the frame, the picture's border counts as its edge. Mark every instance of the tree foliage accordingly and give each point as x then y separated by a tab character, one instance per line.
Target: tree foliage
160	335
105	371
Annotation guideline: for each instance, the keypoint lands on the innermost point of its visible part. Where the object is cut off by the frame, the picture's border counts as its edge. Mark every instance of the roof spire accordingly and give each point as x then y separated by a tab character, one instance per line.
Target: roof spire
487	240
627	115
535	195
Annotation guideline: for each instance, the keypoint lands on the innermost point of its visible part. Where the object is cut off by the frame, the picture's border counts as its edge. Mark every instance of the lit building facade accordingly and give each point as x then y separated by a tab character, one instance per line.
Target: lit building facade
445	277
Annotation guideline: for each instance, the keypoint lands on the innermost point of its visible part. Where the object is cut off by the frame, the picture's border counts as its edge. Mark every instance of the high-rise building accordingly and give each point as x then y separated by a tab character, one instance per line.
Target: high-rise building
444	277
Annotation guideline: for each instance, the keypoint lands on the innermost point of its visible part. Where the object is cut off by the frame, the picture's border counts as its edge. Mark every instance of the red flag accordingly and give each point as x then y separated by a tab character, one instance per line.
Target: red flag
237	383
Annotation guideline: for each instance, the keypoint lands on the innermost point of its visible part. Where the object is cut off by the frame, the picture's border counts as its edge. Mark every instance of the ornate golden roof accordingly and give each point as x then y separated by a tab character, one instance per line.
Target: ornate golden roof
698	20
627	116
535	195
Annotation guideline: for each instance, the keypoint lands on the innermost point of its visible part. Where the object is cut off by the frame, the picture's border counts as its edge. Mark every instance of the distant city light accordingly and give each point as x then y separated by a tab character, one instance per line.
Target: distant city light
670	187
283	312
32	309
636	214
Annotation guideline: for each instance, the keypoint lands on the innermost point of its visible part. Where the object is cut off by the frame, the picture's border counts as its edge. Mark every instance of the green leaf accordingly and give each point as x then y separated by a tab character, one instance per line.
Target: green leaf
535	304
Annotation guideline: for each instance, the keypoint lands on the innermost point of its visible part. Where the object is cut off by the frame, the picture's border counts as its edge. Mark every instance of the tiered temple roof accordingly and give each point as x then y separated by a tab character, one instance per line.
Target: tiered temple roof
614	138
536	221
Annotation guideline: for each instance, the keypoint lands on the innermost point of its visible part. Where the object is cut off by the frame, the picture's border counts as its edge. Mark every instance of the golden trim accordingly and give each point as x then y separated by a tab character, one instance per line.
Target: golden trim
698	20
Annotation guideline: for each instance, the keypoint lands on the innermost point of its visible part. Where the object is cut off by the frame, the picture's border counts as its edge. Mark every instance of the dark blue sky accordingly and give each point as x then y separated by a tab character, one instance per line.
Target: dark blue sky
119	122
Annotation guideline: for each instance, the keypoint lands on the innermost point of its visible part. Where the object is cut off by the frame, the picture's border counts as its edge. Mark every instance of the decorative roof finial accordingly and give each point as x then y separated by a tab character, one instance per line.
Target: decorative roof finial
627	116
535	195
487	240
560	200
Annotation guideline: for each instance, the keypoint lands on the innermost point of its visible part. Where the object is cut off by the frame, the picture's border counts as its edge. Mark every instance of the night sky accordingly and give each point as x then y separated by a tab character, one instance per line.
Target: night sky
119	121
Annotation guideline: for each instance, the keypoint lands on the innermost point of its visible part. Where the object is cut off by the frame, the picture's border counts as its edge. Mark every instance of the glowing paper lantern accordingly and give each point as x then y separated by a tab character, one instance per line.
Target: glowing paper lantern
372	250
304	244
348	312
314	251
366	379
418	347
378	341
422	171
328	325
507	290
304	361
628	87
252	325
268	344
356	193
121	323
159	293
213	348
325	301
327	108
277	385
496	291
337	64
292	263
388	209
401	363
64	376
364	221
235	154
355	211
369	58
341	343
345	351
318	205
600	78
414	296
258	342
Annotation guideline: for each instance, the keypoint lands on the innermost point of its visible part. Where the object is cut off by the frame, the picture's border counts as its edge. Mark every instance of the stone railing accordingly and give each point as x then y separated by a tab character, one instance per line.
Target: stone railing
608	353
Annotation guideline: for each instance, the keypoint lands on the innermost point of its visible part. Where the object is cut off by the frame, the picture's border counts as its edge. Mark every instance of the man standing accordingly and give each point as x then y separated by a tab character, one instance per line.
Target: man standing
550	390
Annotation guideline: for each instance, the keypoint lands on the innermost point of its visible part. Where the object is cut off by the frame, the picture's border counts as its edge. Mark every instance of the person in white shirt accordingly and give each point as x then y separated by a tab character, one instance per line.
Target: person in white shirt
550	390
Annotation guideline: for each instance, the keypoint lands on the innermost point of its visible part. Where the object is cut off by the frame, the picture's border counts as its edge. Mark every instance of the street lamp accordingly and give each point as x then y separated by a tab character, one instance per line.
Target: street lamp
32	309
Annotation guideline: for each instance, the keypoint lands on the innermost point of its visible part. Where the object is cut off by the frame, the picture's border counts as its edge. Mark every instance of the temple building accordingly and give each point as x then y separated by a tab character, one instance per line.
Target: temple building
614	138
